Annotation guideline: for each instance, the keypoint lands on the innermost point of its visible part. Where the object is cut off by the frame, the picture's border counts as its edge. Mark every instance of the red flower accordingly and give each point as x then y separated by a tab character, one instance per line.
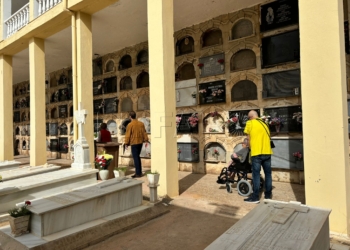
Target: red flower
221	61
28	203
200	65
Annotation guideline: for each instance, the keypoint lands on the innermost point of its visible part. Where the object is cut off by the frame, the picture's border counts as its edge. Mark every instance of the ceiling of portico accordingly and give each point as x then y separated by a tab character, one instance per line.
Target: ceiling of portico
123	24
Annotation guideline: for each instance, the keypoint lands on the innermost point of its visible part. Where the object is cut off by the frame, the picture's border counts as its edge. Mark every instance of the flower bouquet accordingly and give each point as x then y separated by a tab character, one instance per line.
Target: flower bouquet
178	150
102	162
298	156
277	122
232	121
200	65
221	61
216	153
193	120
178	120
194	150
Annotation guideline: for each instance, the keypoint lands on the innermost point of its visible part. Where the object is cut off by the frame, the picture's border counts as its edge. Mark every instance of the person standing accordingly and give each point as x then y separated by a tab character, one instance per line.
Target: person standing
135	136
259	142
104	135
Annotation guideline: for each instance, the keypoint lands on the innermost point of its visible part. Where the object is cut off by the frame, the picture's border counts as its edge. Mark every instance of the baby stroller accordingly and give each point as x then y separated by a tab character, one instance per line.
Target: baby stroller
239	171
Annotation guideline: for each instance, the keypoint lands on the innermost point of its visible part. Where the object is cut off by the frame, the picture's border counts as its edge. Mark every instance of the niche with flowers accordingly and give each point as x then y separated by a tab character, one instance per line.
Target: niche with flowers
212	65
63	145
237	121
212	92
284	119
213	123
187	123
187	150
214	152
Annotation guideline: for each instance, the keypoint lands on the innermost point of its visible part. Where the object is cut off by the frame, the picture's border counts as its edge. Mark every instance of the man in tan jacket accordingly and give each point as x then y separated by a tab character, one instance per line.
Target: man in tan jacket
135	136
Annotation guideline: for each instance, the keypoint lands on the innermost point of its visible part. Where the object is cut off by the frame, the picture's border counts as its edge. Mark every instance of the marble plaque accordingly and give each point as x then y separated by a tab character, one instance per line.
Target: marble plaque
112	127
147	122
143	102
53	129
212	92
188	152
110	106
286	115
184	125
63	144
211	65
283	154
63	111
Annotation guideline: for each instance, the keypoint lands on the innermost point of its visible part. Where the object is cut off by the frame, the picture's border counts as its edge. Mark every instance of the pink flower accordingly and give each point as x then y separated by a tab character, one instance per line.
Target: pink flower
27	203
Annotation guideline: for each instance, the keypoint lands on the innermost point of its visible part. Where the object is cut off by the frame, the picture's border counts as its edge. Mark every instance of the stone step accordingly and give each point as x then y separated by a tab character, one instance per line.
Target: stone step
63	211
6	165
42	185
21	172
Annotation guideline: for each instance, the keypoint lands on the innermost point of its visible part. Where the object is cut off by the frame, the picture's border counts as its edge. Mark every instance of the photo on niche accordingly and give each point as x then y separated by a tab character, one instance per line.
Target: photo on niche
212	92
237	121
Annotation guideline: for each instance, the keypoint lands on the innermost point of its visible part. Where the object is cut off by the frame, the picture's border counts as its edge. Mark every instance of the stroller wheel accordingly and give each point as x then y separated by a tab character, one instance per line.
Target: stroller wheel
244	188
228	187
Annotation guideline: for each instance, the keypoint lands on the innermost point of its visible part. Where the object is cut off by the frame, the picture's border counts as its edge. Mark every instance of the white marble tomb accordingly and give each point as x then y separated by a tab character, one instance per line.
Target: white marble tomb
6	165
21	172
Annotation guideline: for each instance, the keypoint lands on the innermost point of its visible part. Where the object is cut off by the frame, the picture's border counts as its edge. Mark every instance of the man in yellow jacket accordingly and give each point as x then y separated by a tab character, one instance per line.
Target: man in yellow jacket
259	142
135	136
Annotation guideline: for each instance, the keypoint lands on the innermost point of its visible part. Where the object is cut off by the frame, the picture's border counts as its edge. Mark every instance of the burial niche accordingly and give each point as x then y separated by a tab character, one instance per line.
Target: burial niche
17	131
187	123
185	72
71	128
211	37
123	126
126	83
213	123
54	145
143	102
63	129
24	145
55	96
110	85
142	80
185	46
187	150
112	127
97	67
28	129
110	66
242	28
125	62
214	152
71	112
237	121
244	90
63	144
142	57
54	114
126	105
23	117
243	59
16	147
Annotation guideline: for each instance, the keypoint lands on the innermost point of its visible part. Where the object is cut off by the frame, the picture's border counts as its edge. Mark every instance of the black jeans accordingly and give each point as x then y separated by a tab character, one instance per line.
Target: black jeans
135	151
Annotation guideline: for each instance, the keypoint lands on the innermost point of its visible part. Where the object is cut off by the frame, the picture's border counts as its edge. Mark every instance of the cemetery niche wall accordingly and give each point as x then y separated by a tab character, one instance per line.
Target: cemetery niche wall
214	152
187	123
285	114
283	154
237	121
212	92
279	14
63	111
281	84
214	123
212	65
186	93
288	49
188	152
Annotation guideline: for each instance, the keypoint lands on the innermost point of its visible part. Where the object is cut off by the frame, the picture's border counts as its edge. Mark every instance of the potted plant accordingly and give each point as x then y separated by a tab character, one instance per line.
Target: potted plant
19	219
120	171
153	177
102	162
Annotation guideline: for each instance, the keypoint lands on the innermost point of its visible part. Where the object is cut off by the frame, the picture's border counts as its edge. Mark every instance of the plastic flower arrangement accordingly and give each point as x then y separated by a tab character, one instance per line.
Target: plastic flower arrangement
298	156
20	211
178	150
265	118
200	65
214	114
232	121
65	146
221	61
298	117
275	121
202	91
193	120
216	152
178	120
217	92
102	161
194	150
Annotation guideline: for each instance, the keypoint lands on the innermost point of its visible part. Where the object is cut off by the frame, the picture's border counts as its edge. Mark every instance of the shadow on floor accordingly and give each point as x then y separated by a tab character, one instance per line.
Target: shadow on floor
189	180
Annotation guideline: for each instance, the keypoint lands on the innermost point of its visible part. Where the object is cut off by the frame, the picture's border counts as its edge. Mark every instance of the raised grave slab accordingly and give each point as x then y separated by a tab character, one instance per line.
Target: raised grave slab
62	211
42	185
278	225
6	165
21	172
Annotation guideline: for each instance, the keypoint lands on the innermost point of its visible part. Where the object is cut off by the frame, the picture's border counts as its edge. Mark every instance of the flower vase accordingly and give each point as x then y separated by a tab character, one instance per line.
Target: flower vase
19	225
104	174
153	179
277	128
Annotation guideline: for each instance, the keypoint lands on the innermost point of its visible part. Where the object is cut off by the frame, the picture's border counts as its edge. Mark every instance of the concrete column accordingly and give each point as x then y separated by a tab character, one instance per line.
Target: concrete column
162	93
84	75
6	109
324	104
37	101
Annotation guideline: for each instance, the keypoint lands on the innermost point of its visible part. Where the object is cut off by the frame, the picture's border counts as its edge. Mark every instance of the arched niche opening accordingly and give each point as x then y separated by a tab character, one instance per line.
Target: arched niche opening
214	152
17	145
242	28
112	127
63	129
126	104
142	57
24	145
142	80
244	90
213	123
126	83
71	112
17	130
143	102
184	46
110	66
125	62
242	60
185	72
211	37
54	113
123	126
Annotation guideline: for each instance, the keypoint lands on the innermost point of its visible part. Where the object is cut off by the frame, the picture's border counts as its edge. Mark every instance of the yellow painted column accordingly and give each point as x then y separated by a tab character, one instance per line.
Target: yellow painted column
6	109
84	75
37	101
162	94
325	129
